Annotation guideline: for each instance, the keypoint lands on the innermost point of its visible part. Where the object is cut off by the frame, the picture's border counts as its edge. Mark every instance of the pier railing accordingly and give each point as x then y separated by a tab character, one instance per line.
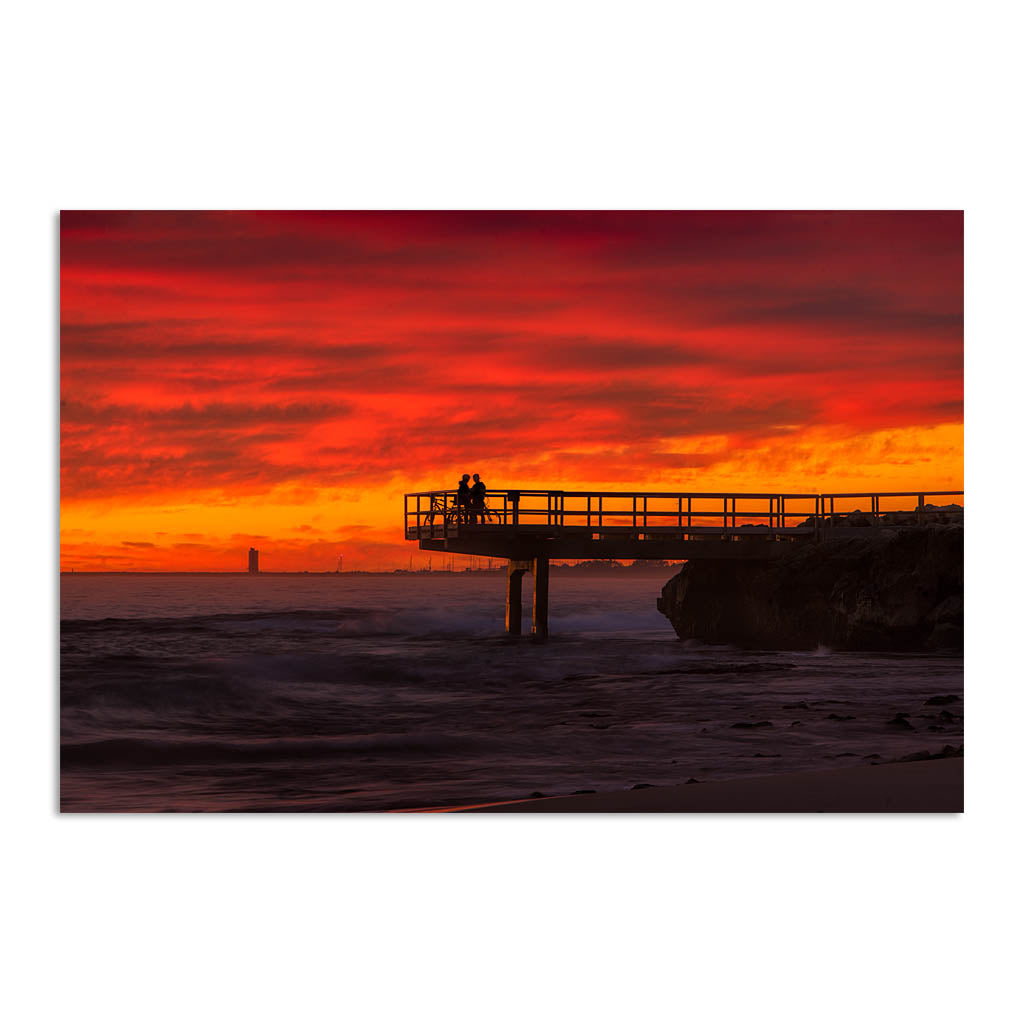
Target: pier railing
437	514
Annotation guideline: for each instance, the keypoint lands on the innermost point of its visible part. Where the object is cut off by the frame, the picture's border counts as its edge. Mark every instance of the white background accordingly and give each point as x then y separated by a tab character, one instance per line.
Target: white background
537	105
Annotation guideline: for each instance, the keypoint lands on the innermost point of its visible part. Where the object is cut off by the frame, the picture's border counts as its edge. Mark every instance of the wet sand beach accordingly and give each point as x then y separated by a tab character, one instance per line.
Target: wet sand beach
935	786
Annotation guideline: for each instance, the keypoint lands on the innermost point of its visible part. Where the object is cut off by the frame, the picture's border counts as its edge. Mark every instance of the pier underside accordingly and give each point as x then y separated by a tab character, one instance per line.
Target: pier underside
531	551
496	542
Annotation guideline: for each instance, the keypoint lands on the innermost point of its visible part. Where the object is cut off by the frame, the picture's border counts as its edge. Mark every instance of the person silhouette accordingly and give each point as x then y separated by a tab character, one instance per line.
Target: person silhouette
462	499
477	493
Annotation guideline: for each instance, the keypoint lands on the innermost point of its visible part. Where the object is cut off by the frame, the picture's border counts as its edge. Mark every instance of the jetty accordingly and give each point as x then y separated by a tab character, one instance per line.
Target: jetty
528	528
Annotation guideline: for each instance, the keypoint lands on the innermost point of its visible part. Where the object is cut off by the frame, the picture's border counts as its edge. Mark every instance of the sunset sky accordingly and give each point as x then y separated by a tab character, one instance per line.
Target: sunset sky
281	379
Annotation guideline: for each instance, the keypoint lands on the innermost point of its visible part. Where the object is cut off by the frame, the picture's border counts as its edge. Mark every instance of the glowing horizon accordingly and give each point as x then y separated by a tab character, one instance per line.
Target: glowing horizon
281	379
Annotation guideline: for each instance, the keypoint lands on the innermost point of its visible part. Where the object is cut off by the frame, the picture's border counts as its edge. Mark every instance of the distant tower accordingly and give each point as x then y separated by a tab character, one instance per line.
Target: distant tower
254	561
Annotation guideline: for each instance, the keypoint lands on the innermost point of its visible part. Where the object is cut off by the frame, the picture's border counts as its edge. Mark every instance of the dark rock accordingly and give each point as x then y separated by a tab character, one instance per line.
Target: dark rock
899	723
856	519
935	515
750	725
951	698
924	755
643	785
578	792
536	793
868	757
945	716
797	722
936	728
890	589
799	706
842	718
692	782
767	755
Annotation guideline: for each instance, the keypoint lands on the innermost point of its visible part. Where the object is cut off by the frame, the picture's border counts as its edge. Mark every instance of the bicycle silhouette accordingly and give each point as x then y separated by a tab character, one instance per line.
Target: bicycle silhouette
456	515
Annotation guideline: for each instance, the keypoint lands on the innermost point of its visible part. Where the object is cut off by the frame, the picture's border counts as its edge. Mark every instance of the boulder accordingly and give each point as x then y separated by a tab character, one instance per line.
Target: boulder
886	590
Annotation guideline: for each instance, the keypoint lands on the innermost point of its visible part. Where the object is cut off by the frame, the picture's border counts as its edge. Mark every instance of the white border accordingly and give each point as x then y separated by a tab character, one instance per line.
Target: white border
544	106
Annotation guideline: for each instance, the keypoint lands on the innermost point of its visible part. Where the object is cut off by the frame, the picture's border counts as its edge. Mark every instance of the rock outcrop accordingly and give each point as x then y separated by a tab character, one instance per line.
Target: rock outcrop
892	589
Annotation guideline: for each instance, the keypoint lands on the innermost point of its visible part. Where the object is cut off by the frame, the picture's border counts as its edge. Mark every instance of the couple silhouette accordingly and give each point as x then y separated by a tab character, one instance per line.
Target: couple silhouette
470	500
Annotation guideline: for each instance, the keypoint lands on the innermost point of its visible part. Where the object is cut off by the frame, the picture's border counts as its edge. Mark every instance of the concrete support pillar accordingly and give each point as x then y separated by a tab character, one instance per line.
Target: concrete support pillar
514	597
540	596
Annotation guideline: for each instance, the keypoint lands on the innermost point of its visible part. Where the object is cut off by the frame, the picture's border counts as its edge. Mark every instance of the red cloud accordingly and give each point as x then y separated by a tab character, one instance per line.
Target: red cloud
237	353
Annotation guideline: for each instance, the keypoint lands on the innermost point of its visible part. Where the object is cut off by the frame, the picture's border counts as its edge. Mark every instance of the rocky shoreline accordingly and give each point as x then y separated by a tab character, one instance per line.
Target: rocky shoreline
892	589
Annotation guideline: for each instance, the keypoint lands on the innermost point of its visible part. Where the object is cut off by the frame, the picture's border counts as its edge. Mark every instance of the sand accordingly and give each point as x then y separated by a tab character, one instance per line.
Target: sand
929	786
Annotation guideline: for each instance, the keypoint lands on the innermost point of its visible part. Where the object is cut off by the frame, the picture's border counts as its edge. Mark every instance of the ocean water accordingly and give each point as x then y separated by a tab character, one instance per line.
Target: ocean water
356	693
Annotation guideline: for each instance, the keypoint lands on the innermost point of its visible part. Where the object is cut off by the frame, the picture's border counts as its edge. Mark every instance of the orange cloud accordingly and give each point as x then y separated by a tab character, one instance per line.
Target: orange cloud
287	376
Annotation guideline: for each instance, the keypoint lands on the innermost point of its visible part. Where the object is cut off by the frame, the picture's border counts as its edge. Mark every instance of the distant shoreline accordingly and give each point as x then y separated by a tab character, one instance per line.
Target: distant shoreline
295	572
626	570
